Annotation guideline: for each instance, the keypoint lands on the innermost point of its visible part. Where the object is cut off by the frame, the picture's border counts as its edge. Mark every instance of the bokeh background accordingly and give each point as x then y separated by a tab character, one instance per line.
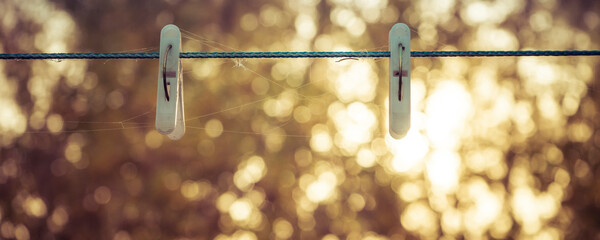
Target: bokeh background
503	147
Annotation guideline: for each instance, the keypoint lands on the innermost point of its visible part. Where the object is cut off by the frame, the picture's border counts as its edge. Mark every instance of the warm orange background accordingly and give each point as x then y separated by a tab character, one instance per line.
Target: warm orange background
502	147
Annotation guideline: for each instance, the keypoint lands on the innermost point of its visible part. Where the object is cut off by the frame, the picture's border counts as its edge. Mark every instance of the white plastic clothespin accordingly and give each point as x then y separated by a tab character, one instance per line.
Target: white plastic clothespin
169	97
399	80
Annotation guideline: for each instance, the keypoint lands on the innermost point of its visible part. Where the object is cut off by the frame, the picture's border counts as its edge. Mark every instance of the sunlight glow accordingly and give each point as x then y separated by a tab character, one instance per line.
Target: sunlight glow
320	140
355	82
410	192
355	125
448	109
501	148
366	158
416	218
14	123
323	188
486	209
305	26
443	171
249	172
240	210
480	12
282	106
531	210
409	152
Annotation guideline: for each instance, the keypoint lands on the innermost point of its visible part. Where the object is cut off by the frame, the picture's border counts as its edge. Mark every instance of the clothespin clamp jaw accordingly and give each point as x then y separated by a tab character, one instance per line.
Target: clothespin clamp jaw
170	118
399	84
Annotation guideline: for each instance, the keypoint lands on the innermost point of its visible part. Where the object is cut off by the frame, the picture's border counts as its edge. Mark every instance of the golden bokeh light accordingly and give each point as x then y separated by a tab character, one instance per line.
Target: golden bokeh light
214	128
320	140
240	210
282	228
194	190
249	172
34	206
153	139
502	148
102	195
322	188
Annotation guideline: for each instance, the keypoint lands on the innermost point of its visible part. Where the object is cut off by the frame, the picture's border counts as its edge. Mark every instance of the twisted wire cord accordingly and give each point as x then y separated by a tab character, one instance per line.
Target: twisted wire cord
366	54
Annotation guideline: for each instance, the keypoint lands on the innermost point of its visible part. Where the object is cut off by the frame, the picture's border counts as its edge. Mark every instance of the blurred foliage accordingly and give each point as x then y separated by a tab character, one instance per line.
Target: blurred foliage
298	148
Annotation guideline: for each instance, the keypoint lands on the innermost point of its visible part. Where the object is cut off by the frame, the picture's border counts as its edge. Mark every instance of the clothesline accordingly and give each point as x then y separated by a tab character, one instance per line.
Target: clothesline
363	54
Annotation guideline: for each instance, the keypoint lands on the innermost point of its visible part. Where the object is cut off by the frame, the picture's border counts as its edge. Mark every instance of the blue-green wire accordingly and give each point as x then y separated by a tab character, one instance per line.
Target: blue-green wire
375	54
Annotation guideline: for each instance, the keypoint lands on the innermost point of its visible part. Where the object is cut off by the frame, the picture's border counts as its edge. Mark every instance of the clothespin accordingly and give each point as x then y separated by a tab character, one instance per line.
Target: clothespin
169	97
399	80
